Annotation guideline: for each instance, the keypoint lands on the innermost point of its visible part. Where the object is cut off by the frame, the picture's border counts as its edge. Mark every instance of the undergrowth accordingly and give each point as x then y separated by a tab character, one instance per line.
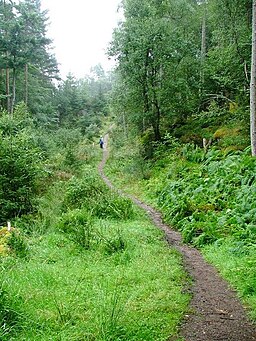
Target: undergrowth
108	292
209	196
88	265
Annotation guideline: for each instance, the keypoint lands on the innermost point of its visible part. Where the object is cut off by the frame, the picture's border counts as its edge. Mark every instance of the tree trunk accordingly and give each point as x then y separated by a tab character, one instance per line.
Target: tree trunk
13	91
253	83
2	86
156	117
203	48
7	84
26	84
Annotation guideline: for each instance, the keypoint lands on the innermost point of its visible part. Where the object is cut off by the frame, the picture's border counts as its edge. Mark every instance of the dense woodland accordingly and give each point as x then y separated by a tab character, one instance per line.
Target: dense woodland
179	102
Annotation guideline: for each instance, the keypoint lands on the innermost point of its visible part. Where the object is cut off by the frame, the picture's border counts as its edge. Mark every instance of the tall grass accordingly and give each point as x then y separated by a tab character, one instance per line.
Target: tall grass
131	294
97	269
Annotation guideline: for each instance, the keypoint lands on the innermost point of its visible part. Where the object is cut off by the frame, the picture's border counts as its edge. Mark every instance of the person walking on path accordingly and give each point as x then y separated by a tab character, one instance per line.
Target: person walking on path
101	142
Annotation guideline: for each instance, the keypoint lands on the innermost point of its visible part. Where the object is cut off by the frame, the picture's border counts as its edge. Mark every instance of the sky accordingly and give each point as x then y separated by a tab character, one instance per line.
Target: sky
81	31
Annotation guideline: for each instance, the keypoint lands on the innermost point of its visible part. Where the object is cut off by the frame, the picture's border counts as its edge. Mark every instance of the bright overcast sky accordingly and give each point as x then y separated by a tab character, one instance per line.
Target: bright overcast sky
81	31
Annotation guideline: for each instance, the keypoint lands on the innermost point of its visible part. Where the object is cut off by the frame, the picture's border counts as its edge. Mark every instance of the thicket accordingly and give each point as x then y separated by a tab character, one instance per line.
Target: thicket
20	164
175	59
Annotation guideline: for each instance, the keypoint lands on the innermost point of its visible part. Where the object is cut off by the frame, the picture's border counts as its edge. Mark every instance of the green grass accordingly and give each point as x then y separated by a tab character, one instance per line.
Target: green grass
236	262
209	198
95	269
67	293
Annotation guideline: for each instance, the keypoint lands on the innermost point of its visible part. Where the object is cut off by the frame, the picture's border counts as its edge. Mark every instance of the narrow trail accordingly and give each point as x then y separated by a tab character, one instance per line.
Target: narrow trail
215	313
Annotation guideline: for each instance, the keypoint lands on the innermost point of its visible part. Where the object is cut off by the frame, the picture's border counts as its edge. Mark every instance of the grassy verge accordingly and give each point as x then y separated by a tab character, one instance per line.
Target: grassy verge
236	262
95	269
65	292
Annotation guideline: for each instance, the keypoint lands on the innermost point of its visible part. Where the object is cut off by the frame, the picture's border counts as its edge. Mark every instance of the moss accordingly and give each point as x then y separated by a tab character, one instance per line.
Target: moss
4	238
226	132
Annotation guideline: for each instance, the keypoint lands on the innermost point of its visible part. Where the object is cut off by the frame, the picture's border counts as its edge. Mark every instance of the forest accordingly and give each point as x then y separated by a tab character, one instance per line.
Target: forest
79	261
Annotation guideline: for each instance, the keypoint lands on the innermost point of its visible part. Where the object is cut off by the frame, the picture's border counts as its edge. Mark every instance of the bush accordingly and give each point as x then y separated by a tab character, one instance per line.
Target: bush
12	242
17	244
83	192
92	194
113	243
20	169
212	200
78	226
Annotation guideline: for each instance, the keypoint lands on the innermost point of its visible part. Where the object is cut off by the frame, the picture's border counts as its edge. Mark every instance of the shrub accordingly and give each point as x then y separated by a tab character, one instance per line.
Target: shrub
114	207
17	244
212	200
82	192
12	242
114	243
78	226
20	169
92	194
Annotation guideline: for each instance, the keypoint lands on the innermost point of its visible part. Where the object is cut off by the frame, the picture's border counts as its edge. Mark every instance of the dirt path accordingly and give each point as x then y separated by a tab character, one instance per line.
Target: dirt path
216	314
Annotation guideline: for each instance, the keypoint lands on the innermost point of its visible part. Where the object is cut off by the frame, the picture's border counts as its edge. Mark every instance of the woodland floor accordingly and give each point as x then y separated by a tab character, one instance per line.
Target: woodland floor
215	312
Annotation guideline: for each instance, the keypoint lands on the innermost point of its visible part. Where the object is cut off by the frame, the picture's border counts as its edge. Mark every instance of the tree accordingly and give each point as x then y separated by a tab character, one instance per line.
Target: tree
20	165
228	55
253	83
24	44
158	55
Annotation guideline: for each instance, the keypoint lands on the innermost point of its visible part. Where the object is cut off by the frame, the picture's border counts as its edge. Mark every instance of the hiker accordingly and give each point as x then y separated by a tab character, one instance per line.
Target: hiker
101	142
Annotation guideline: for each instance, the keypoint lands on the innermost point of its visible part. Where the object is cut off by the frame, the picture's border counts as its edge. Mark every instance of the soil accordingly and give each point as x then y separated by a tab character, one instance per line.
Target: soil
215	312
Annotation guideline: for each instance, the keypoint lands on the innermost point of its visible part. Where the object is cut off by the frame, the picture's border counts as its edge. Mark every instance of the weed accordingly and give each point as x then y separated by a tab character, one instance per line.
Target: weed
92	194
13	242
77	225
115	242
18	244
11	315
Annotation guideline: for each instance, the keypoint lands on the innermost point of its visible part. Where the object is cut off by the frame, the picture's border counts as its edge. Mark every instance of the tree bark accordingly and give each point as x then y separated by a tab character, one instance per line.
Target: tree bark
26	84
253	83
12	104
8	102
203	48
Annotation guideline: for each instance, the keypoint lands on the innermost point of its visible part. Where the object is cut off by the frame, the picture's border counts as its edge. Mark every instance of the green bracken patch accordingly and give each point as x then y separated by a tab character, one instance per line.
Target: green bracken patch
209	196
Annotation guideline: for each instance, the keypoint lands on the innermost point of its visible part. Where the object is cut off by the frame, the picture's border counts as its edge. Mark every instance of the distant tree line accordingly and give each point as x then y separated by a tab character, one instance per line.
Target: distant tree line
29	72
42	117
26	61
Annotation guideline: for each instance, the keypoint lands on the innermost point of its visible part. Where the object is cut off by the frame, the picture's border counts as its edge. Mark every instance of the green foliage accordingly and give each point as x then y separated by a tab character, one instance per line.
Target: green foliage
11	315
209	196
80	192
157	81
20	169
24	43
236	262
91	193
112	241
100	293
83	102
230	48
213	199
17	244
78	226
12	242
